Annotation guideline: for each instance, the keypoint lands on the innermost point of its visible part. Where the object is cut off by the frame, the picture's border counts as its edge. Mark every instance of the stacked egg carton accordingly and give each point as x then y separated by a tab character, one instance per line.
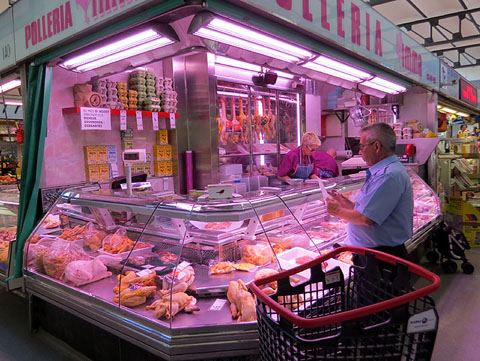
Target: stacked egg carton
100	86
132	99
137	82
168	97
407	133
122	93
112	97
151	102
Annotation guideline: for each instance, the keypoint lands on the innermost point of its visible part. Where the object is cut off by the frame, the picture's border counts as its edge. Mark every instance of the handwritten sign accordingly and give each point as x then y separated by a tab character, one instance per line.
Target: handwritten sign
138	114
123	120
95	118
172	120
155	120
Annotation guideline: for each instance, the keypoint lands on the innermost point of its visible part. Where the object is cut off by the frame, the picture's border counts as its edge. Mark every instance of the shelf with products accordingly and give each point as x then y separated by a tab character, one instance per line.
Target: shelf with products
192	245
115	112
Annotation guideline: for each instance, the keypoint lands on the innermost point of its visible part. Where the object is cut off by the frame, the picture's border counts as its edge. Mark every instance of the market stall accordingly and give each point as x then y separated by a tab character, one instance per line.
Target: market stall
202	94
159	269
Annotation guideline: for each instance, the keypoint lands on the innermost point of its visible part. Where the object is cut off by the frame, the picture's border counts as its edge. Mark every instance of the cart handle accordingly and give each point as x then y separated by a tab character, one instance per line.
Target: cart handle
351	314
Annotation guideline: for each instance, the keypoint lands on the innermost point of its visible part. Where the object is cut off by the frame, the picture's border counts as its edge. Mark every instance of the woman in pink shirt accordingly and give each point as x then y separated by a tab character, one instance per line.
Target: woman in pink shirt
299	163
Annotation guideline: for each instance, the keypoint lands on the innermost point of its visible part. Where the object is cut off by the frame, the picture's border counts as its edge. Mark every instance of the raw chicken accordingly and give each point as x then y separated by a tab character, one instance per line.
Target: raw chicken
82	272
170	306
148	279
242	303
135	295
181	282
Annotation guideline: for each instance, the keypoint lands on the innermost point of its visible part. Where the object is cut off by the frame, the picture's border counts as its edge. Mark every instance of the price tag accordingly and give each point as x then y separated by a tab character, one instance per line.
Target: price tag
218	304
155	120
172	120
95	118
144	272
123	120
148	266
163	123
182	265
138	114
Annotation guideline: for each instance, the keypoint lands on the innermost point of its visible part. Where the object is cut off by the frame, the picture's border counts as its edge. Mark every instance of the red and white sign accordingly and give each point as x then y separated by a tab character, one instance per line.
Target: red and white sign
357	27
468	92
40	24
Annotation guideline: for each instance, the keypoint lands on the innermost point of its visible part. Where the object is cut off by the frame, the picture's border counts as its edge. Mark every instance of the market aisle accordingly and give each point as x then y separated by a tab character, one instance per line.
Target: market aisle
457	305
16	341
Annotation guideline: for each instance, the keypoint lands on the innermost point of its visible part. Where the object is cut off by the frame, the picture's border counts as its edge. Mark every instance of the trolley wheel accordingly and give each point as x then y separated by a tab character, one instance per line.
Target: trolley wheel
467	268
433	256
449	266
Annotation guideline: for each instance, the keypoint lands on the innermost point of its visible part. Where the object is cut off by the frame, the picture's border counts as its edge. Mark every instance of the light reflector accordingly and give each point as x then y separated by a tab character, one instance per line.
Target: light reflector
330	71
9	85
13	102
394	87
344	68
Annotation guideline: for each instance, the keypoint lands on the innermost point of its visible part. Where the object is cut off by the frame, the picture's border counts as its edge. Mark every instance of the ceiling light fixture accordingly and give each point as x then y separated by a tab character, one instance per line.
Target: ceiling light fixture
9	85
449	110
344	68
460	114
388	84
13	102
135	42
330	71
222	60
207	26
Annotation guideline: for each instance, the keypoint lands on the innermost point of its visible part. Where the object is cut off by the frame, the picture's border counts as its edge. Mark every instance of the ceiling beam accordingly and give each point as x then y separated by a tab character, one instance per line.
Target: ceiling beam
434	20
379	2
458	48
458	66
456	38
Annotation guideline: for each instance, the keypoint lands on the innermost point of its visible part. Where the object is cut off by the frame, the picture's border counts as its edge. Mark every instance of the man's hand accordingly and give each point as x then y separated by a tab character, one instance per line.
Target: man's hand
333	207
314	176
343	201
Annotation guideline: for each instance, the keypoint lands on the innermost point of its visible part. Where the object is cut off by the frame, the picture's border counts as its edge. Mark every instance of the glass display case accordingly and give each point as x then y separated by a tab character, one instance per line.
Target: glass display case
9	201
162	268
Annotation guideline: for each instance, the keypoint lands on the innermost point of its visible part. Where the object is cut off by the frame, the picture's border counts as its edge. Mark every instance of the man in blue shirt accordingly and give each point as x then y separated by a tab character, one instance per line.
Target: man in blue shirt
382	215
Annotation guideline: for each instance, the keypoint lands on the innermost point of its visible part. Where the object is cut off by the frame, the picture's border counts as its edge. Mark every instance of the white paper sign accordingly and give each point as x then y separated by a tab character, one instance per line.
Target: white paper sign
95	118
218	304
138	114
172	120
155	120
123	120
422	322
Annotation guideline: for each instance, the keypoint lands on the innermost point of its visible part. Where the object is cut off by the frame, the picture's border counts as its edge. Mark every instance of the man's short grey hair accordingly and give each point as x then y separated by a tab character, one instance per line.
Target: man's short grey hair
383	133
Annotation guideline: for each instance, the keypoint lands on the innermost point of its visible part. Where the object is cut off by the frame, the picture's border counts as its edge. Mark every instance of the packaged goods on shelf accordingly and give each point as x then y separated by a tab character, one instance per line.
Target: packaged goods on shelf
161	136
162	152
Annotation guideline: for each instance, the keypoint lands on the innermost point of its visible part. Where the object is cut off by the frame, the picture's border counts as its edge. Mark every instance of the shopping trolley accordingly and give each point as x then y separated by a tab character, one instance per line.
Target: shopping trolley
368	312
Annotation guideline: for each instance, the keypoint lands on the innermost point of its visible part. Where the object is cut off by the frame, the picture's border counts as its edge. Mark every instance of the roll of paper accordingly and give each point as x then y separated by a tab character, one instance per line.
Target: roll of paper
344	154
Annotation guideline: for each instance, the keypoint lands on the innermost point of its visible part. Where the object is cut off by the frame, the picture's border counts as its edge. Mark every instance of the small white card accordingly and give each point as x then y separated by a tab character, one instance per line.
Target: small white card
123	120
218	304
139	117
155	120
172	120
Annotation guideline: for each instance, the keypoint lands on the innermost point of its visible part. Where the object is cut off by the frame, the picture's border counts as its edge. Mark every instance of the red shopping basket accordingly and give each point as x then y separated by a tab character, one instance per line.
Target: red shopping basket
368	312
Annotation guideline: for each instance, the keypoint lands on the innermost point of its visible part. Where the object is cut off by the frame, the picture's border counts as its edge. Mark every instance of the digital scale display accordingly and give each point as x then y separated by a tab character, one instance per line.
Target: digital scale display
131	156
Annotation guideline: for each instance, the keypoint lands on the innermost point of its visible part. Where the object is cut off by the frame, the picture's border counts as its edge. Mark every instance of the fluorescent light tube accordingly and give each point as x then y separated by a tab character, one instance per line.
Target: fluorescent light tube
388	84
449	110
115	47
329	71
256	37
244	44
13	102
155	44
247	66
344	68
462	114
9	85
379	87
232	94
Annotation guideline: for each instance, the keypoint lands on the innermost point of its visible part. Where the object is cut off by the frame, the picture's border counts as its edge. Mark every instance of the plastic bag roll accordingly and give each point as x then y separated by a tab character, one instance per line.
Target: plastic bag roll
189	169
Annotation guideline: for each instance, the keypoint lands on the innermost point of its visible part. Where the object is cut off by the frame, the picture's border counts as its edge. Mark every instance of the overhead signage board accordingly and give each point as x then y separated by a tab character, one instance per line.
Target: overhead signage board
468	93
42	23
449	81
357	27
7	44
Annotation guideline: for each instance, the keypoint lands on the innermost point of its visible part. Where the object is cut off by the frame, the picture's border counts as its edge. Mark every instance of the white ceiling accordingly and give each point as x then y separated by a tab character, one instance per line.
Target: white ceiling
441	26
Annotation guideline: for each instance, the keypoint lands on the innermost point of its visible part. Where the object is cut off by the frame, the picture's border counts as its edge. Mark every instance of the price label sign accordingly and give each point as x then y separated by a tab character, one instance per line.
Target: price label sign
155	120
95	118
218	304
163	123
172	120
123	120
139	117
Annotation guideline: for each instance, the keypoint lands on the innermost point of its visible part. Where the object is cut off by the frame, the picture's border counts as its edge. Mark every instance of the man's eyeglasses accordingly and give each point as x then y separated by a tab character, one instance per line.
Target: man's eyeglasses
362	146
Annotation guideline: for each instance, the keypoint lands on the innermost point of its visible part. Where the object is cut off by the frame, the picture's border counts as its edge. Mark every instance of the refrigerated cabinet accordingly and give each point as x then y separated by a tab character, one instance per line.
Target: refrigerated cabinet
163	240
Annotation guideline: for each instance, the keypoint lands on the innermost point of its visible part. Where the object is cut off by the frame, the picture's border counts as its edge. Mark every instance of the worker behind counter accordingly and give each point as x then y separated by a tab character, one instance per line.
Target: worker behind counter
382	216
299	163
325	164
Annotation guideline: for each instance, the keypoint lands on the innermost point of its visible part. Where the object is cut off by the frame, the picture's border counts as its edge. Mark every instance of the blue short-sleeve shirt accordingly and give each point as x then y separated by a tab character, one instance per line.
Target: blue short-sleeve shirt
386	198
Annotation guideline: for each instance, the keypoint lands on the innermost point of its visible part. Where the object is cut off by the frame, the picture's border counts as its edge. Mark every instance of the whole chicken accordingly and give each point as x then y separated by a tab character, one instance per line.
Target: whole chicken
242	303
181	282
169	307
135	295
81	272
131	277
